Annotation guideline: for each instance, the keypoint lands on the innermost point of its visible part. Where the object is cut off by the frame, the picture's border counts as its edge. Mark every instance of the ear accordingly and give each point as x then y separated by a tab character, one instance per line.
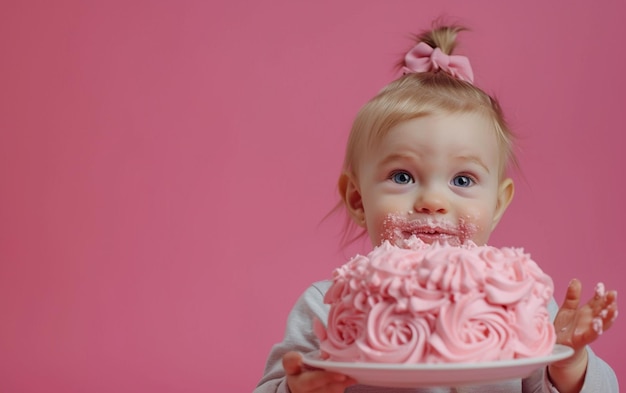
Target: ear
351	196
505	196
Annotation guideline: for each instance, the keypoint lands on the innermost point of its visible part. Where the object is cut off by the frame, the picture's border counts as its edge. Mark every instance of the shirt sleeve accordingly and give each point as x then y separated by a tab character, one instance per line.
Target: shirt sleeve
298	337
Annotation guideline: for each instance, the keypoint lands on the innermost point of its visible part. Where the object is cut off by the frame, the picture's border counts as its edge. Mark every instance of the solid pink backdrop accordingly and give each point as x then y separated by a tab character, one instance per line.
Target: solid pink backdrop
166	167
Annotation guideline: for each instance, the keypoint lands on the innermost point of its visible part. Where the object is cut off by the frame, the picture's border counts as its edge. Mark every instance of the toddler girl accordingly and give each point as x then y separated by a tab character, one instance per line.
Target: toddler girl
427	156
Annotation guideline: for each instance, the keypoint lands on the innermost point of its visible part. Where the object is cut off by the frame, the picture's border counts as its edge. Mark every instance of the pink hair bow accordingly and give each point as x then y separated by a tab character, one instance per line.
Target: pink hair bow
423	58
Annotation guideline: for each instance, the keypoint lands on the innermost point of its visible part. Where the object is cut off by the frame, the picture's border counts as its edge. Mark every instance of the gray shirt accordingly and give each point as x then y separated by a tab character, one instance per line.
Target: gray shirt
299	337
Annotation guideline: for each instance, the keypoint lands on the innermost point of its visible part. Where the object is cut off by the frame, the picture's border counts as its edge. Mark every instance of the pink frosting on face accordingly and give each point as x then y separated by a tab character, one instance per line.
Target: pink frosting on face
435	303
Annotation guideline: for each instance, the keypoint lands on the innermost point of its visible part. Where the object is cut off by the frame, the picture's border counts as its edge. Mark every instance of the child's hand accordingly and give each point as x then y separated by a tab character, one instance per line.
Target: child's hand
578	326
302	380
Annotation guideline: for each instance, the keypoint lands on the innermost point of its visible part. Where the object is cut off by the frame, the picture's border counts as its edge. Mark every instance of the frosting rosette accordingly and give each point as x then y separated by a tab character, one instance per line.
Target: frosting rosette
346	328
535	332
470	329
394	337
437	303
452	269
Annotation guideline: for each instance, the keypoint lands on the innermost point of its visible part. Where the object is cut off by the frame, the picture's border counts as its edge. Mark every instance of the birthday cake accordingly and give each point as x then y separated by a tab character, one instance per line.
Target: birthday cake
436	303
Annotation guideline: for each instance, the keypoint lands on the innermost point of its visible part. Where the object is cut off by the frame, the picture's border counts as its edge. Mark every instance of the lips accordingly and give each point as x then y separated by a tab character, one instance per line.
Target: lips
431	235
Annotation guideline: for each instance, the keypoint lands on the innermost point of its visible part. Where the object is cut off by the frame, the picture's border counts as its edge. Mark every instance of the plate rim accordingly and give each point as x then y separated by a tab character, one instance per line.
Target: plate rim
559	352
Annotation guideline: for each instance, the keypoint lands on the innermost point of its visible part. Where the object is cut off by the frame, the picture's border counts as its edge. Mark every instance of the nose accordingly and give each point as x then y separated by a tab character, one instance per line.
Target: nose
431	201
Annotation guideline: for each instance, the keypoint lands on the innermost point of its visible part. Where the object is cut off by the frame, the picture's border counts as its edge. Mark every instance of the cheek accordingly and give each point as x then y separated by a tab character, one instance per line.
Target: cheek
474	215
378	208
375	226
377	221
478	222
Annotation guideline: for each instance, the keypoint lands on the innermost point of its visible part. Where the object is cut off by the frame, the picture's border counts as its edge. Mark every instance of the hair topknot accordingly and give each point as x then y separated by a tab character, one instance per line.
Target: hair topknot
442	37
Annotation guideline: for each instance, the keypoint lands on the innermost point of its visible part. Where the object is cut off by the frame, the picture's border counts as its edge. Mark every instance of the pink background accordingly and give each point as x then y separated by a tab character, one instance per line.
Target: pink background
165	168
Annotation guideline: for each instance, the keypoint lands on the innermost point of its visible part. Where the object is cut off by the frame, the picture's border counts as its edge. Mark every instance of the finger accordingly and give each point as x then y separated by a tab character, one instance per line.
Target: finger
318	379
608	316
600	297
311	380
292	363
609	311
603	317
572	295
611	298
601	301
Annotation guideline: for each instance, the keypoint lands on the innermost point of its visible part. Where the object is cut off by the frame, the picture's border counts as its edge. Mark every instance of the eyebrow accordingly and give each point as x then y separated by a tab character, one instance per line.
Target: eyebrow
397	157
406	156
475	159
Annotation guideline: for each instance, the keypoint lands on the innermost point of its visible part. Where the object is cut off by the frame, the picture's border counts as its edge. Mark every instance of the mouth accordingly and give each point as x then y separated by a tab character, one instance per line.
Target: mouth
399	230
432	234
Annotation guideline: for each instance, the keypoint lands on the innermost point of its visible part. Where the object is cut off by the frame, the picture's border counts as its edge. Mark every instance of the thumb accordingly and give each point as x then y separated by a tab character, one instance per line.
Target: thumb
292	363
572	296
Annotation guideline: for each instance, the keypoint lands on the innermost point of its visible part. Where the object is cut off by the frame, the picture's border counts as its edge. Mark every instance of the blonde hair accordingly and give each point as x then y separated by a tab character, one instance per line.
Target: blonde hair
420	94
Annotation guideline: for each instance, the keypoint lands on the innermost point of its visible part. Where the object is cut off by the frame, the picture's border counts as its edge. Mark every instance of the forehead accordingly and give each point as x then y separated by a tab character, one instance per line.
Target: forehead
459	131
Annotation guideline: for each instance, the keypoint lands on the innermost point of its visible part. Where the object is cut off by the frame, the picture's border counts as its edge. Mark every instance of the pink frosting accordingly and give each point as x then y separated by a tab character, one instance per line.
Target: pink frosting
437	303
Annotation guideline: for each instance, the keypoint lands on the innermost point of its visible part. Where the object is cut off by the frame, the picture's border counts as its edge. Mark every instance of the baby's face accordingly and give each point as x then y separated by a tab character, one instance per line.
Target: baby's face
437	177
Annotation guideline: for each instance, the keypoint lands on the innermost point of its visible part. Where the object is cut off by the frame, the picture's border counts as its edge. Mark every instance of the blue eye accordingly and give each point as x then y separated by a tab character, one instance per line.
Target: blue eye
462	181
401	177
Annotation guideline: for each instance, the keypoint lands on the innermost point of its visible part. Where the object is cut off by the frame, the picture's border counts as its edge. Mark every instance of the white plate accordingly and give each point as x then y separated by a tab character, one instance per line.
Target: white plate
425	375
